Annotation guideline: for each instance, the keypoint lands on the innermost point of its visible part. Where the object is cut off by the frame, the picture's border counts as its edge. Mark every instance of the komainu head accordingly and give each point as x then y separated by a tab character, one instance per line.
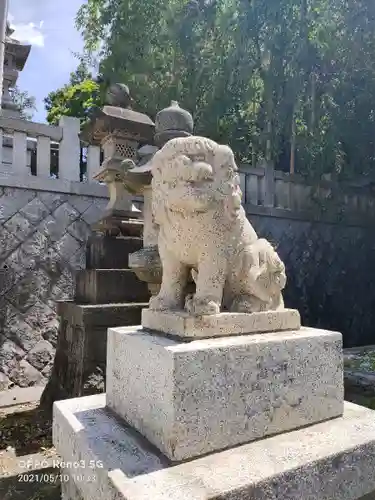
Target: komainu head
194	175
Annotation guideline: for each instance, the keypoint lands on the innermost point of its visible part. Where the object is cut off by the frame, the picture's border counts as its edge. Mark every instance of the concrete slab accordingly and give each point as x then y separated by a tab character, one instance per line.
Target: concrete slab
20	396
327	461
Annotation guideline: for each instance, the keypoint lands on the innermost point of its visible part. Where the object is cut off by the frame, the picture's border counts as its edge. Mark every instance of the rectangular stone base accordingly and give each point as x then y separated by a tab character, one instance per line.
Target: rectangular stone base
334	460
183	325
82	345
105	286
192	398
106	252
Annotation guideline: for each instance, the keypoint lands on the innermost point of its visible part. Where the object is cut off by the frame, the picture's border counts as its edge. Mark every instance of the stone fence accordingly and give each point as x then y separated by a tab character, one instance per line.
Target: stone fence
55	147
293	195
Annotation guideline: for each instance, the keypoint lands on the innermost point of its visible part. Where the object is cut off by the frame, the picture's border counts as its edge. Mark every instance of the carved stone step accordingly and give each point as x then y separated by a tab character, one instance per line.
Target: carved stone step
104	252
105	286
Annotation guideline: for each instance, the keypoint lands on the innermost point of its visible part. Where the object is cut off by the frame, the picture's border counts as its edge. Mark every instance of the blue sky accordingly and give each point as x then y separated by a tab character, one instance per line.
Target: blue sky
49	26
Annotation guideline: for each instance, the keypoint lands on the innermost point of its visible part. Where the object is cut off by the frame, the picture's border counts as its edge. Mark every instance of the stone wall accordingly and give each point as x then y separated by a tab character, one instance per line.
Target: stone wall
330	269
42	243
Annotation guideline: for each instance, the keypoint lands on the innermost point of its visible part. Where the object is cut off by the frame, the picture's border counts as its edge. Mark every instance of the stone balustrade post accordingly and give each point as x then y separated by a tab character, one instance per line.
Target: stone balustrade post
70	149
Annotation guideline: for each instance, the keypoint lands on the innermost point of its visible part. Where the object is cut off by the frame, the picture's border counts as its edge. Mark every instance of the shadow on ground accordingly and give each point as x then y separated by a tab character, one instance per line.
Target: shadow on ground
46	487
361	399
27	431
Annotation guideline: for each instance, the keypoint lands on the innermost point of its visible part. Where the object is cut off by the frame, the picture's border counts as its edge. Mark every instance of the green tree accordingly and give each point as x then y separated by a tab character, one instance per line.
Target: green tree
24	102
291	81
78	98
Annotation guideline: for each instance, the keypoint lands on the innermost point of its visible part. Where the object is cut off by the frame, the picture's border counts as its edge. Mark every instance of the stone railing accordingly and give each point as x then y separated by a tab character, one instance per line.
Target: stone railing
56	147
269	188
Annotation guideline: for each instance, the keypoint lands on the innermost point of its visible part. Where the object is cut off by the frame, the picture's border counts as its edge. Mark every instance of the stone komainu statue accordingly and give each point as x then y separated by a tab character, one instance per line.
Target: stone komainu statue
204	230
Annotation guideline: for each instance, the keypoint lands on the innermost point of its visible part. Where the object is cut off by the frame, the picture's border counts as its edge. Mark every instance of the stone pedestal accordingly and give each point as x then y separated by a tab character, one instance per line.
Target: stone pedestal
193	398
108	294
184	326
333	460
258	416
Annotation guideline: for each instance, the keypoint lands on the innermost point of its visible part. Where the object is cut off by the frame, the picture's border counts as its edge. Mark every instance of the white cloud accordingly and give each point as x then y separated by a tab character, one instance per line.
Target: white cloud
28	32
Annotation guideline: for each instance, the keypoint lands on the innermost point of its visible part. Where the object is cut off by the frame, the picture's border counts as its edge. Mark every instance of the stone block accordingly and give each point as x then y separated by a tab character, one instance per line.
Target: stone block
183	324
333	460
10	355
105	252
25	375
41	355
34	211
8	242
67	246
19	226
80	230
82	345
193	398
101	286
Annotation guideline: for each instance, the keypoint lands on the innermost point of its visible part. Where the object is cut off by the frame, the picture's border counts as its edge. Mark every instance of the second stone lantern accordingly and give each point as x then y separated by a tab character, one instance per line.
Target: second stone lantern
170	122
121	132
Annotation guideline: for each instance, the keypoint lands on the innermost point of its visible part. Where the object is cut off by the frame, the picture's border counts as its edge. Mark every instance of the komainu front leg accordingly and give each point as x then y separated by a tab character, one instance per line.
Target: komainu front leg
209	288
171	295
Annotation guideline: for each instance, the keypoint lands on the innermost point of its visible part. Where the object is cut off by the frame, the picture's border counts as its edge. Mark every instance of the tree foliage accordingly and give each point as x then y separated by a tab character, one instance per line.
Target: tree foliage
25	103
276	79
78	98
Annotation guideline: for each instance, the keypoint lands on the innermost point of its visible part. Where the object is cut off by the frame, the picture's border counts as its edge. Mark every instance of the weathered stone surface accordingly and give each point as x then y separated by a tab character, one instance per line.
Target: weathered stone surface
196	202
65	215
101	286
8	242
80	360
28	254
25	375
94	212
40	355
47	371
80	230
28	290
63	286
104	252
8	277
41	243
52	228
67	246
5	383
77	261
69	490
19	226
192	398
53	263
13	200
52	200
182	324
21	333
10	354
331	460
80	203
17	327
34	211
49	331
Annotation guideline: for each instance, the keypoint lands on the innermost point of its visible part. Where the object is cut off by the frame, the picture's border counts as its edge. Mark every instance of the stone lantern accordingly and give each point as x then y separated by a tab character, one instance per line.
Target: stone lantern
16	55
170	122
120	132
